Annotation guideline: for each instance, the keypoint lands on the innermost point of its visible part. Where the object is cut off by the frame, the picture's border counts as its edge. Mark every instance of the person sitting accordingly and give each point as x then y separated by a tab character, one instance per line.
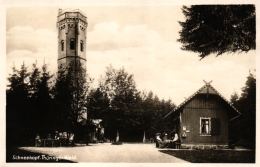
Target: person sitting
172	143
165	136
38	141
175	137
64	135
168	143
157	139
57	138
49	136
62	139
163	143
48	143
71	138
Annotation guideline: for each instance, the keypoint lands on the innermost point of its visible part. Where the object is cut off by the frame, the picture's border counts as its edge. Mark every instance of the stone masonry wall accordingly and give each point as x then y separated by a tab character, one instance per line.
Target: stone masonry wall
202	147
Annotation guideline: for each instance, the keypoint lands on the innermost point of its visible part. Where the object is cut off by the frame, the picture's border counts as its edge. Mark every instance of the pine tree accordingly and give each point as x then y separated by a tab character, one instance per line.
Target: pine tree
17	106
43	108
244	127
218	29
70	93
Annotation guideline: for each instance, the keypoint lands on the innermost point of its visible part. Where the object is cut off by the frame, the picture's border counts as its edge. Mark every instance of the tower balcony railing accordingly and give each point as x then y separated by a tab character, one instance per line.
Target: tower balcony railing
62	11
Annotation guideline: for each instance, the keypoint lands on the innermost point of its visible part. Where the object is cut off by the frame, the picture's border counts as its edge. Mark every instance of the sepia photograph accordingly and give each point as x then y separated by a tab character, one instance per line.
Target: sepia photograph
130	83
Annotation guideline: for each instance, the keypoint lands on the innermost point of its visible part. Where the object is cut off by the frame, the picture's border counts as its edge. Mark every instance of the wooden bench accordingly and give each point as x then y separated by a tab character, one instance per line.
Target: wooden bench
53	142
47	142
177	145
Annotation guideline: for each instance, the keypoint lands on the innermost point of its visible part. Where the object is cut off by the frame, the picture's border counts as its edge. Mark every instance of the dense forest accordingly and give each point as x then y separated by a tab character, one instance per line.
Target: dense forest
39	102
243	128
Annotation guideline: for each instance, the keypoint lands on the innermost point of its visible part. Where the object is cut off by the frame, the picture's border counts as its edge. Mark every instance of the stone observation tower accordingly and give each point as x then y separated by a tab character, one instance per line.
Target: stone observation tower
72	36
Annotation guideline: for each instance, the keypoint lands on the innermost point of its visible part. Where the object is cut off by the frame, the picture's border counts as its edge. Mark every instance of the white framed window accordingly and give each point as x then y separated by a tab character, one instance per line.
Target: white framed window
209	126
205	126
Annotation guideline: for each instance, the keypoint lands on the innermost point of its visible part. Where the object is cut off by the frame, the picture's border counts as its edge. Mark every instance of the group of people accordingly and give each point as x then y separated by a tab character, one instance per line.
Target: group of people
164	141
59	137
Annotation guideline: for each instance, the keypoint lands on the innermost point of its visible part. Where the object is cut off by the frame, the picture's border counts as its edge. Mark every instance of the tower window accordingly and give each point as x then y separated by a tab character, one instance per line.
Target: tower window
72	44
81	46
62	45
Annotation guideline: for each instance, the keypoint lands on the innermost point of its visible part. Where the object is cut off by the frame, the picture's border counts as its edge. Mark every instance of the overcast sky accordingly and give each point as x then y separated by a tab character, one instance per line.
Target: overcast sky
142	39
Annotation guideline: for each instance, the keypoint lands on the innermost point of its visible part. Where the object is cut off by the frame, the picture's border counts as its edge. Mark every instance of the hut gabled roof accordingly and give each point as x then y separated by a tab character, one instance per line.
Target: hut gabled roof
206	89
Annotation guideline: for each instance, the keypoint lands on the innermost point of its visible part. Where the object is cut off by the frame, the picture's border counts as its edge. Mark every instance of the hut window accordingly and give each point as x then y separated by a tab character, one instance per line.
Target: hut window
72	44
209	126
205	126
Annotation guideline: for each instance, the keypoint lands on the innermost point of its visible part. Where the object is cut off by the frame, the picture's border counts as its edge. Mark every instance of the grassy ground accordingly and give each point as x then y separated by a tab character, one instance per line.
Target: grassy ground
14	155
213	156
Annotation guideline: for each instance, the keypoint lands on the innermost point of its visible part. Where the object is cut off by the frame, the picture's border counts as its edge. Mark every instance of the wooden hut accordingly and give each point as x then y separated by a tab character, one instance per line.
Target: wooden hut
202	120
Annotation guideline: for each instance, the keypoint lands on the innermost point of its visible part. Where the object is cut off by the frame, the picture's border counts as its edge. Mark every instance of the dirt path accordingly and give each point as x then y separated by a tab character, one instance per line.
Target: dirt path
134	153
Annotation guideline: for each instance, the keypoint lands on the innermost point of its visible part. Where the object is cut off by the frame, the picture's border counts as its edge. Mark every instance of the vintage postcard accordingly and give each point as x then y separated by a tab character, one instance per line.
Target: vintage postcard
124	82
